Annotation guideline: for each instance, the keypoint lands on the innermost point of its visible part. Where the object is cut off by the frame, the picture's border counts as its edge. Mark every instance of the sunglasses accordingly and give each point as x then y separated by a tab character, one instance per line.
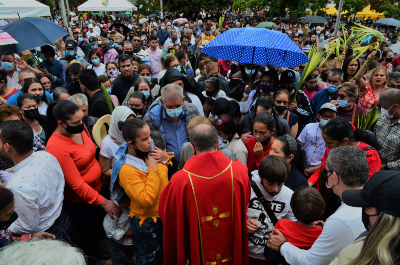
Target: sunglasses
282	101
137	40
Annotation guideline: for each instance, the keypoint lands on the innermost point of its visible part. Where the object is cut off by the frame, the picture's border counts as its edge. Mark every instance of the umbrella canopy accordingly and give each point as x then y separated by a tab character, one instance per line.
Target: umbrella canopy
117	27
314	19
97	14
153	15
266	25
31	33
256	46
23	8
107	5
182	20
3	23
143	20
123	16
6	38
389	22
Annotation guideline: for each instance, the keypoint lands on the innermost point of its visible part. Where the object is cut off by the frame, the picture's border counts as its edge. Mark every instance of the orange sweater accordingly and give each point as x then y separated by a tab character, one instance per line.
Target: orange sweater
82	172
143	189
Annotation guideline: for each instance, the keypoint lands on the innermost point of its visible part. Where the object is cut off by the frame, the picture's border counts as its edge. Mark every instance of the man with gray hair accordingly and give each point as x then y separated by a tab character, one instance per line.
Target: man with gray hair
109	53
346	168
209	196
394	80
335	78
387	129
173	40
168	118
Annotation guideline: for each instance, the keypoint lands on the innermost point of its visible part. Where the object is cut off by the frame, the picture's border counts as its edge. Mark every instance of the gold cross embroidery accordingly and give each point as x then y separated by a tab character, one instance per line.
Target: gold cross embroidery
219	260
215	216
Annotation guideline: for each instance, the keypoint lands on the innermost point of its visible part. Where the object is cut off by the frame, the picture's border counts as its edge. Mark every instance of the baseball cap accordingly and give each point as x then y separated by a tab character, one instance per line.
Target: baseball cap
105	26
92	40
381	192
208	28
70	45
222	106
90	26
288	76
329	106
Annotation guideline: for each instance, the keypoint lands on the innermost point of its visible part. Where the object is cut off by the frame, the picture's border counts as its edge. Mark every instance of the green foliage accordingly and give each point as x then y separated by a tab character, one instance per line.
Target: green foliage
195	6
389	10
352	6
367	120
110	105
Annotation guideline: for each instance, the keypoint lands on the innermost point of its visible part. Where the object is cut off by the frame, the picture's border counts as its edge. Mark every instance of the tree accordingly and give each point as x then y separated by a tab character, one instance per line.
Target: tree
389	8
195	6
352	6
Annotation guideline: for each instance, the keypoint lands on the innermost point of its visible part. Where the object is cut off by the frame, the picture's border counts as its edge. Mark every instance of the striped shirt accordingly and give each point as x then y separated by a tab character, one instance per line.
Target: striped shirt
388	135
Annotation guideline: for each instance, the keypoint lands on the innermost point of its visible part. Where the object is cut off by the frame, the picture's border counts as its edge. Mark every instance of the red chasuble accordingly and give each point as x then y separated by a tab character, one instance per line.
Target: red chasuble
204	212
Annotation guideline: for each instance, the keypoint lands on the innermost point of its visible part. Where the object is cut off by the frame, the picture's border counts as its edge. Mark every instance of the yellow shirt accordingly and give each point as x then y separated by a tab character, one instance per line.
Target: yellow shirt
209	38
143	189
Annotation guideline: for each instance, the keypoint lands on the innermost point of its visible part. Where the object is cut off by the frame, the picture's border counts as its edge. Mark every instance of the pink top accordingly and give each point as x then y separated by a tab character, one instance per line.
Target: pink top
110	56
155	61
310	94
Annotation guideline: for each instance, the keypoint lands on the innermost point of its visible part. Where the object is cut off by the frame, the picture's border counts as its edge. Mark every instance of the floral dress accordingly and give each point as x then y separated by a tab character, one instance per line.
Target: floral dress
367	98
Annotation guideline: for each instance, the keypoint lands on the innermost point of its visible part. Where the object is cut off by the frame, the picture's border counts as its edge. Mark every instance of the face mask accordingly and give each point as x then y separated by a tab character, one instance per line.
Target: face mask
95	61
140	154
99	42
385	113
210	93
31	113
143	38
38	98
318	31
342	103
323	122
265	89
113	73
265	142
388	59
272	195
146	93
80	39
93	47
128	52
331	88
174	113
75	129
178	68
69	52
7	66
365	219
54	48
222	142
280	109
169	30
162	28
174	39
148	79
250	72
186	64
137	111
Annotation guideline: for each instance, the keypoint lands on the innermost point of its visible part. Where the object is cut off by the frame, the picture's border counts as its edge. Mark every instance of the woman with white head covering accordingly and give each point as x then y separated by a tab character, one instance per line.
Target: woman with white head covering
114	139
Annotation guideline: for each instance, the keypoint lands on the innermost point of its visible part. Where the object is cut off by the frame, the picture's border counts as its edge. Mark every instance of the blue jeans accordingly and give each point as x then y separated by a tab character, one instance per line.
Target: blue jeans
64	228
118	250
149	237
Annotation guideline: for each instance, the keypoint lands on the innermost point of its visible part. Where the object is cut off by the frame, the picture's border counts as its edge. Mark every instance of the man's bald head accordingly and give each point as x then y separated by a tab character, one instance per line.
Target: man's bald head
204	138
390	96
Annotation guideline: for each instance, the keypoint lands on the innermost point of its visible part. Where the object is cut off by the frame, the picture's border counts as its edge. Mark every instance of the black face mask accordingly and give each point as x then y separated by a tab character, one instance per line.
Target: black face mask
141	154
136	50
137	111
280	109
128	52
174	39
265	142
38	98
75	129
31	113
262	184
210	93
265	89
365	219
4	225
388	59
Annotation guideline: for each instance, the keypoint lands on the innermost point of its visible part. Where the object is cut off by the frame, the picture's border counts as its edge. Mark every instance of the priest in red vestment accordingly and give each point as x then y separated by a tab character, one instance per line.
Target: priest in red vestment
203	207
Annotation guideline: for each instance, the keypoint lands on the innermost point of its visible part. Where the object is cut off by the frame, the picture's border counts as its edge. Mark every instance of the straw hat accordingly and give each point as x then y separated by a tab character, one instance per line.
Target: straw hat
100	129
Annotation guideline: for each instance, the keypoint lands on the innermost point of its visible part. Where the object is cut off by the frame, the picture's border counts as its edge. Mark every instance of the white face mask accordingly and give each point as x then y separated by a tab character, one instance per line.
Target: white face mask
386	114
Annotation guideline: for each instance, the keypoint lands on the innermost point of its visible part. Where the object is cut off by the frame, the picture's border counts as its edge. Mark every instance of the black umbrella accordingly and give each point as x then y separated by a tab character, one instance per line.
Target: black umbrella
314	19
118	25
123	16
389	22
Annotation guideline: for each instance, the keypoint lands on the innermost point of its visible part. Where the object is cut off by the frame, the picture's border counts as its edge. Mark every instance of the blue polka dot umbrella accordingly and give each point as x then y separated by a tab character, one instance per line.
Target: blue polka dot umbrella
256	46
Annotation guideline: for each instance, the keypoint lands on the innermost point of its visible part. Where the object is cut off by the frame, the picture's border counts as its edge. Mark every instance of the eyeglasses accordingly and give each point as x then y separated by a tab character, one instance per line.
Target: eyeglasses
282	101
328	117
342	96
137	40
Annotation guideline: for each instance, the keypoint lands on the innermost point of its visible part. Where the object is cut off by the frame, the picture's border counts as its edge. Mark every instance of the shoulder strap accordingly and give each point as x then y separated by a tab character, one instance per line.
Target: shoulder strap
266	204
368	148
288	115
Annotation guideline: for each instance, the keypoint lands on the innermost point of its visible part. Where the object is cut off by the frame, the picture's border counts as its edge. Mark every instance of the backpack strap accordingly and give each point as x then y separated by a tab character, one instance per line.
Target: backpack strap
266	204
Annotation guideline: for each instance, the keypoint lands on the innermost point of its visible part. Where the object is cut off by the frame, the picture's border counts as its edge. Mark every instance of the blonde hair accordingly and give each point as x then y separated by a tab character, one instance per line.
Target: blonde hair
381	246
350	88
376	70
198	120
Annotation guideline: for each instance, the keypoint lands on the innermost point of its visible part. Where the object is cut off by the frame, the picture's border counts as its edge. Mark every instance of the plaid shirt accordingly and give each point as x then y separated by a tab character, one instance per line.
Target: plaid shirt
388	135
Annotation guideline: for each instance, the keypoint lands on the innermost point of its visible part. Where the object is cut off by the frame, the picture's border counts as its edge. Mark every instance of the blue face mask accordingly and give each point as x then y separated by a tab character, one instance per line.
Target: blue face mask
185	66
95	61
55	48
162	28
80	39
146	94
178	68
69	52
342	103
222	142
318	32
249	72
7	66
93	47
331	88
265	89
148	79
174	113
323	122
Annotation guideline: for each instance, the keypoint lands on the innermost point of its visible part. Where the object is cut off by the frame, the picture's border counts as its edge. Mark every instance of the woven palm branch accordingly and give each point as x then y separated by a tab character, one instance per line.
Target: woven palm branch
315	57
110	105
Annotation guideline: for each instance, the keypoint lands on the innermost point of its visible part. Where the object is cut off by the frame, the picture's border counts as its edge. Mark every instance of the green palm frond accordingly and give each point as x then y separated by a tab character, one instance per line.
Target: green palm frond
110	105
221	21
331	49
315	57
369	119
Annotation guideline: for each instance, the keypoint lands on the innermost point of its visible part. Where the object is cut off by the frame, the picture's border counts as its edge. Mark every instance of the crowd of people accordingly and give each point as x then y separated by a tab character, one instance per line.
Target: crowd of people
182	158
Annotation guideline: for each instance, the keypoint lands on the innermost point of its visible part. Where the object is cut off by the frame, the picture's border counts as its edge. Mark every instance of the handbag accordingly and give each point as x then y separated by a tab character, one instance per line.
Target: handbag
273	257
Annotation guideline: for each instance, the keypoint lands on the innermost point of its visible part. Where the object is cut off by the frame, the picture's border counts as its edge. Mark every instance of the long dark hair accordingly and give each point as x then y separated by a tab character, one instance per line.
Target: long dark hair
59	111
339	128
268	104
140	80
266	119
31	81
130	129
346	63
300	159
20	101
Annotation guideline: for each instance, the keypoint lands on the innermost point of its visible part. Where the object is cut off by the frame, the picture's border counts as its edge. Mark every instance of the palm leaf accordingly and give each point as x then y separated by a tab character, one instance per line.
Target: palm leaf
110	105
369	119
331	49
221	21
315	57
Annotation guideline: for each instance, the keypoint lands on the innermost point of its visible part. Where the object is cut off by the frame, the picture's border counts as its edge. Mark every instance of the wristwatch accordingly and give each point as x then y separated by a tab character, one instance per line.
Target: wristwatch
165	162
